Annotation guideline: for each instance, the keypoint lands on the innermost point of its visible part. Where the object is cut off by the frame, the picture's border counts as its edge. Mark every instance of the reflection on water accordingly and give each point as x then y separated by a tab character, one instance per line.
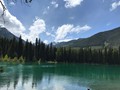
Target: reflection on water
60	77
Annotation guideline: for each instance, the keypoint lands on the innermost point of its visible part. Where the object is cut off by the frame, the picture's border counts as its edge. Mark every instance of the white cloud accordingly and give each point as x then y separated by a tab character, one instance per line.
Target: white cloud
72	3
36	29
11	3
17	28
48	34
64	30
11	22
55	4
115	5
65	40
78	29
46	41
48	7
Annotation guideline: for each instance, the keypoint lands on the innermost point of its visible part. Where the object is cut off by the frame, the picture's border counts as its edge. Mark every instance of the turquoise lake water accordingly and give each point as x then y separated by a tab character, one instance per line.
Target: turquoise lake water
59	77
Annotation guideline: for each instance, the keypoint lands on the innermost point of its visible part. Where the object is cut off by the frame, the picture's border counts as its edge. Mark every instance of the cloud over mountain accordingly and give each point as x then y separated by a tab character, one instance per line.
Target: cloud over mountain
11	22
66	29
17	28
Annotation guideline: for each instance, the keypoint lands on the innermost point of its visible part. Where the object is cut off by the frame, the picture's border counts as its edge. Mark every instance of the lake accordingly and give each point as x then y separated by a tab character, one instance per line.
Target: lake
59	77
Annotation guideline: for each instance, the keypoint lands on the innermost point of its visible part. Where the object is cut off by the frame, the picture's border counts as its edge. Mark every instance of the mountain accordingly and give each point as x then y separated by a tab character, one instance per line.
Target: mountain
107	38
4	33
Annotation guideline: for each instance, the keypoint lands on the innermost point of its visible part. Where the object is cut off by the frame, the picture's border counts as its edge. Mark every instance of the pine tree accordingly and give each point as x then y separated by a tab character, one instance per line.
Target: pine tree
20	47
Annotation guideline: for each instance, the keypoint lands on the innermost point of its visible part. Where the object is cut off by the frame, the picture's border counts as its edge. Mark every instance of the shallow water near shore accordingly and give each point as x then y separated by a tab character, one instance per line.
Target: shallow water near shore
59	77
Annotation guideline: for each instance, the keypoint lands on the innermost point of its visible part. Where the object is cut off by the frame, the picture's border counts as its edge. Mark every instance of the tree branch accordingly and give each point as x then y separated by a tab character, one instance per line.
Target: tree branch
3	7
3	10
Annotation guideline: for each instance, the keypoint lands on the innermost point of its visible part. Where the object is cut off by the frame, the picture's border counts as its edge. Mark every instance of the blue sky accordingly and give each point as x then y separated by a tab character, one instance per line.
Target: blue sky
61	20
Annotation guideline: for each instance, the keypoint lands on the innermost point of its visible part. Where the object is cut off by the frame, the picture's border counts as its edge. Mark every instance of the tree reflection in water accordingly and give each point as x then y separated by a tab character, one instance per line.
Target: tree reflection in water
59	77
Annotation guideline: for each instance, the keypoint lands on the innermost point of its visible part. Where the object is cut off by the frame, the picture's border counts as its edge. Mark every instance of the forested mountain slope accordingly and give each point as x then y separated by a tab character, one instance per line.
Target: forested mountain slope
111	38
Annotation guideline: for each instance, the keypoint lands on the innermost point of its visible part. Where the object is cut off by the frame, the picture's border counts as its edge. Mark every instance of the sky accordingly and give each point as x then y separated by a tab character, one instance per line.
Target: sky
60	20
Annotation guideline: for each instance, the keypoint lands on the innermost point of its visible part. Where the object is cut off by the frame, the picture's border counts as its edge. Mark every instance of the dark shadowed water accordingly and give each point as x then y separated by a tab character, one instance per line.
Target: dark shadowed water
60	77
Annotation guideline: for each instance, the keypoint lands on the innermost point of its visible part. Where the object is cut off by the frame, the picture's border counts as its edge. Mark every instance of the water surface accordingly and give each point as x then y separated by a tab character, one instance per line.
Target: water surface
60	77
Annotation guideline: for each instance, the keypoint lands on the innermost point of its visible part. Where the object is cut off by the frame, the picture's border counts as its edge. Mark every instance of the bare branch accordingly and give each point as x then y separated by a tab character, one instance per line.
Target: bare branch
3	10
3	7
28	1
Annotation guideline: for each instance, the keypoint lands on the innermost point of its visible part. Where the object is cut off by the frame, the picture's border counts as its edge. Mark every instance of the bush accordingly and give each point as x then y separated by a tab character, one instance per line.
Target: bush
21	60
6	58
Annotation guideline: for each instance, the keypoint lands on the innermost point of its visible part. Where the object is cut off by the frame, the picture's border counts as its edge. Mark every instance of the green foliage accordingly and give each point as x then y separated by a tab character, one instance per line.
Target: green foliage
19	51
14	59
6	58
21	60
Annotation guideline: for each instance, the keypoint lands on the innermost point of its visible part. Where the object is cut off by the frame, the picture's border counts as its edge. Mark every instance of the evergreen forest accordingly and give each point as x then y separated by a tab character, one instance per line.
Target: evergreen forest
24	51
